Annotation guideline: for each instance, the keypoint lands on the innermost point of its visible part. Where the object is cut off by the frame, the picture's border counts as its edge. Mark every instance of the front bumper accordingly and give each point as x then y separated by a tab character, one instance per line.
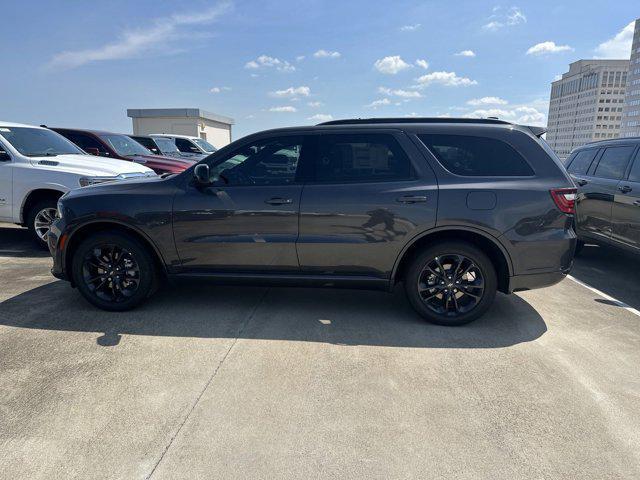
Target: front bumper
56	241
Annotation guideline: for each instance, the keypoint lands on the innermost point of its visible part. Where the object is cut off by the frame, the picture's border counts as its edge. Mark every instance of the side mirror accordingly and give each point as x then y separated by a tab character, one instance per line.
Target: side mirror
92	151
201	174
4	156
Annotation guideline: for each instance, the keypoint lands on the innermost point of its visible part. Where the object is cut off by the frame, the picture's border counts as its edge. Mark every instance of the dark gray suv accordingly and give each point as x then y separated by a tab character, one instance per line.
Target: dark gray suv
456	209
608	202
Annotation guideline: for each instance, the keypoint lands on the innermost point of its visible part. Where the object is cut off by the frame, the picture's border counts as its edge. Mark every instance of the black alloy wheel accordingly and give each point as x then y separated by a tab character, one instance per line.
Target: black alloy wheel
451	283
114	270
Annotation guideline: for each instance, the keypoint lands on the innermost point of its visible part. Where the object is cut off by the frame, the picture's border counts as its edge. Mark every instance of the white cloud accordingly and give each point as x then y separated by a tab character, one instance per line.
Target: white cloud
291	92
544	48
400	93
299	58
132	43
321	117
410	28
265	61
422	63
619	46
557	77
448	79
500	19
378	103
487	101
315	104
326	54
219	89
466	53
284	109
526	114
391	65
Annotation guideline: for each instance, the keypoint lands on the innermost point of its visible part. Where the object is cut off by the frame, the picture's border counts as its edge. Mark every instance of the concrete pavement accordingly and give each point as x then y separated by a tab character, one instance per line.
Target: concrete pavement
229	382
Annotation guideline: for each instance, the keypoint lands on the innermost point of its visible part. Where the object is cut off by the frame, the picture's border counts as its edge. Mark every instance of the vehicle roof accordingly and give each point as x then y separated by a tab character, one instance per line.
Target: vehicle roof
85	130
408	124
13	124
173	135
608	141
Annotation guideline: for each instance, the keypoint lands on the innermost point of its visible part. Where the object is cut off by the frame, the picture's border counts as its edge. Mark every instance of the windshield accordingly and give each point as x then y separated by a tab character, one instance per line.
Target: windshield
166	145
38	142
125	146
204	145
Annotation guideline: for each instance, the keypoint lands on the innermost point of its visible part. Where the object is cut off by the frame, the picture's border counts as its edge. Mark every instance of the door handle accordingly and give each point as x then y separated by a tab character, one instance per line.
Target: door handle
278	201
412	199
581	182
625	188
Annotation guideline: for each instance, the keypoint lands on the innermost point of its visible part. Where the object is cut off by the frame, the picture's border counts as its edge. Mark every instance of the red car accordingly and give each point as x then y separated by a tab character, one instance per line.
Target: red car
123	147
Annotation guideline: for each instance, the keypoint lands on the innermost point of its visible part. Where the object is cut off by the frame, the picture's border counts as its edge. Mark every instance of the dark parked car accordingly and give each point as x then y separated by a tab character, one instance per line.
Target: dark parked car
454	208
165	146
608	202
117	145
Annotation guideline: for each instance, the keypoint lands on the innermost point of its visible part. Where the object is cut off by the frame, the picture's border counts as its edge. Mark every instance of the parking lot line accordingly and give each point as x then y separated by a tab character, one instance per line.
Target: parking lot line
613	300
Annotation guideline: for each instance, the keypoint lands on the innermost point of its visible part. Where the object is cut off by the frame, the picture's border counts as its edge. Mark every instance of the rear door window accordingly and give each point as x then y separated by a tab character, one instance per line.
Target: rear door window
477	156
634	175
582	161
613	162
370	157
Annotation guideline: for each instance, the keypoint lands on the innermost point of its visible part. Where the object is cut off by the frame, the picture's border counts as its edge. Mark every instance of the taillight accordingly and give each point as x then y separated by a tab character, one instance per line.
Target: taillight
565	199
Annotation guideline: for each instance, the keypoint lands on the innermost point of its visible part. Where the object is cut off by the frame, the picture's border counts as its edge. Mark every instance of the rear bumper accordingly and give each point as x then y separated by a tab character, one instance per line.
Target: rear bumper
518	283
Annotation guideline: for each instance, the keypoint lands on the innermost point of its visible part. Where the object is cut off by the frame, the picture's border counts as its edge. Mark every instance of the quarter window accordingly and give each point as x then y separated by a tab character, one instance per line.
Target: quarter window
476	156
582	161
343	158
272	161
613	162
634	175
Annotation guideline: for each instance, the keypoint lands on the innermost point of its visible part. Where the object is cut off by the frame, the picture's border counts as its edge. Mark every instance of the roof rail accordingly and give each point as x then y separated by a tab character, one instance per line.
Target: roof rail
612	140
364	121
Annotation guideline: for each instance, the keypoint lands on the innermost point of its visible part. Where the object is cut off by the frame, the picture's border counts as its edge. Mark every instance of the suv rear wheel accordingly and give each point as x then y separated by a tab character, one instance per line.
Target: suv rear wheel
451	283
113	271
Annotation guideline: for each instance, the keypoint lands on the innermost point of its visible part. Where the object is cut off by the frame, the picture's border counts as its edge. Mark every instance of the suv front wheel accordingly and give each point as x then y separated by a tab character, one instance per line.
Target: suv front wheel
451	283
113	271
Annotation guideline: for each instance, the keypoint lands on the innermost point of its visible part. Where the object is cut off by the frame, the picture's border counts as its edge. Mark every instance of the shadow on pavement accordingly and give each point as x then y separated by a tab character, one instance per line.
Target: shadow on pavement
17	242
342	317
610	270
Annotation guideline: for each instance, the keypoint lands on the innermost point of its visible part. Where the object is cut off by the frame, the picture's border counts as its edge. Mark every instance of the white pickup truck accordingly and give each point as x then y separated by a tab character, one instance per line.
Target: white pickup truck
37	166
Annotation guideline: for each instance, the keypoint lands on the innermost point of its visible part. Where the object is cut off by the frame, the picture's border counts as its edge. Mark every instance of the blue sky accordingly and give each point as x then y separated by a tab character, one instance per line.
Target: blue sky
270	64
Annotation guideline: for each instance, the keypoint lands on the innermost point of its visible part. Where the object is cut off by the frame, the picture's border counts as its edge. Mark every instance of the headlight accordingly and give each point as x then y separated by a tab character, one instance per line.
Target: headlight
85	181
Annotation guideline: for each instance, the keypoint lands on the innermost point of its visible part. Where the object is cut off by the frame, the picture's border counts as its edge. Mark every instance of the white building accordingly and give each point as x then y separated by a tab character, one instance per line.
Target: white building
586	104
631	114
216	129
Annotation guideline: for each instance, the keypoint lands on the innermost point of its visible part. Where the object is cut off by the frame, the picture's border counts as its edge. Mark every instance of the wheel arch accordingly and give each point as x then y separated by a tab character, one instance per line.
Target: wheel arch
34	196
489	244
95	226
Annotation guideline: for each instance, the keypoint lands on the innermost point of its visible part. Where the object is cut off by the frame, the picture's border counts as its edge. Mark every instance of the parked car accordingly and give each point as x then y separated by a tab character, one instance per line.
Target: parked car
165	146
608	202
123	147
454	208
187	144
37	166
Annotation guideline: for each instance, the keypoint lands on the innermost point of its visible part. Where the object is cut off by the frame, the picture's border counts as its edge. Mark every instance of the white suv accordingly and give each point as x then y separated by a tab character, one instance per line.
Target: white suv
37	166
187	144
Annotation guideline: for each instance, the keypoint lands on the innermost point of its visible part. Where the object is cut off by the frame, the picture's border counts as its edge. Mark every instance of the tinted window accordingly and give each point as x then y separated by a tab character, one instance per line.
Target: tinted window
186	146
86	141
614	162
272	161
125	146
361	158
634	176
582	161
166	145
148	143
477	156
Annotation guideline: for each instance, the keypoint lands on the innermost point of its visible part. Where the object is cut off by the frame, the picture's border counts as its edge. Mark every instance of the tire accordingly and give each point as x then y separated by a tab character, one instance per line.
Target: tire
427	288
40	212
579	247
118	282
